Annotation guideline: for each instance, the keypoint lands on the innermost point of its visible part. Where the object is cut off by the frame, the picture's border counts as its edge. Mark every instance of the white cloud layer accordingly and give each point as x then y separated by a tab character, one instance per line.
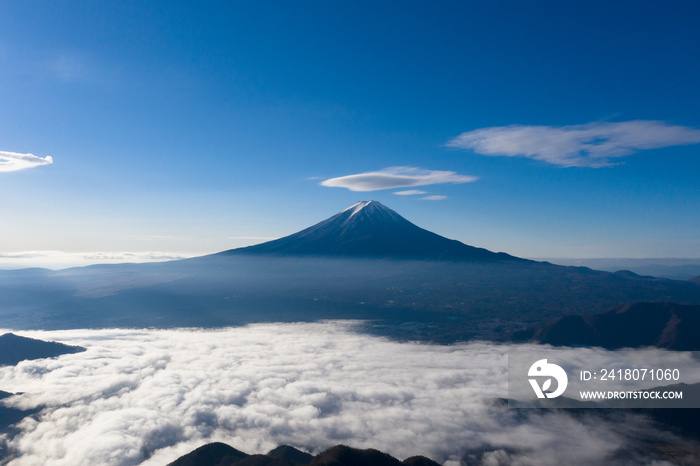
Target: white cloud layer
434	197
409	192
590	145
13	161
396	177
150	396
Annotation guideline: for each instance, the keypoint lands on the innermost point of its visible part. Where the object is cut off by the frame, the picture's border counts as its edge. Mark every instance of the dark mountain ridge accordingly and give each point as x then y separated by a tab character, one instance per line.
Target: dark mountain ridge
664	325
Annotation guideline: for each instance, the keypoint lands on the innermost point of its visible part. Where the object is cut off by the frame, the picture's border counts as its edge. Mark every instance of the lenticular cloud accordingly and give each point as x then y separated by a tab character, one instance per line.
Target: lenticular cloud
147	397
396	177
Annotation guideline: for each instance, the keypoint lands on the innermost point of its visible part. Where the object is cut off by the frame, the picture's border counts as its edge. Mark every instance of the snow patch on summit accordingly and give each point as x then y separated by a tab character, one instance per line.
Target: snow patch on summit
358	206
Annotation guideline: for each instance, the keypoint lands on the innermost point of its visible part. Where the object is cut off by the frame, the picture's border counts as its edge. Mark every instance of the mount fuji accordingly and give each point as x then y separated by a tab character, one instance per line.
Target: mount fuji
370	229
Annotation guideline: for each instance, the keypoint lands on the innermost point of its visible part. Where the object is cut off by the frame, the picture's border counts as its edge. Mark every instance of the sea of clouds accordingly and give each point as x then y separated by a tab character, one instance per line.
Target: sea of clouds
150	396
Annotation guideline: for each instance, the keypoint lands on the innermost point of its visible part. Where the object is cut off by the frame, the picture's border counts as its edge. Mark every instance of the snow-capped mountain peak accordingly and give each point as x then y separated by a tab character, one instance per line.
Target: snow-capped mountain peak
358	206
370	229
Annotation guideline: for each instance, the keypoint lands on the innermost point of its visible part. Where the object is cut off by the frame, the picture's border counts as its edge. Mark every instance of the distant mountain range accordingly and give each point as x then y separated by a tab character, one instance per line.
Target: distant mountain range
664	325
675	269
220	454
367	262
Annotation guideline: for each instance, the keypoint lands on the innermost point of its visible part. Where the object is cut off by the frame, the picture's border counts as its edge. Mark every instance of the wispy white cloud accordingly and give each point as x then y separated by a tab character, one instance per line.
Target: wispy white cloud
147	397
131	256
593	145
69	67
62	259
396	177
410	192
13	161
73	66
434	197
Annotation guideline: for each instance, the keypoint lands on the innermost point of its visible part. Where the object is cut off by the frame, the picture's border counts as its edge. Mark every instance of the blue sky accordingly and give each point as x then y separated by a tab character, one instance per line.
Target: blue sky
175	128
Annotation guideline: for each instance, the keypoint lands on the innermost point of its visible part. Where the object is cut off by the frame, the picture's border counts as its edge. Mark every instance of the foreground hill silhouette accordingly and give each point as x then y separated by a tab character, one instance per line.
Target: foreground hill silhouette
220	454
366	262
664	325
210	454
14	349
